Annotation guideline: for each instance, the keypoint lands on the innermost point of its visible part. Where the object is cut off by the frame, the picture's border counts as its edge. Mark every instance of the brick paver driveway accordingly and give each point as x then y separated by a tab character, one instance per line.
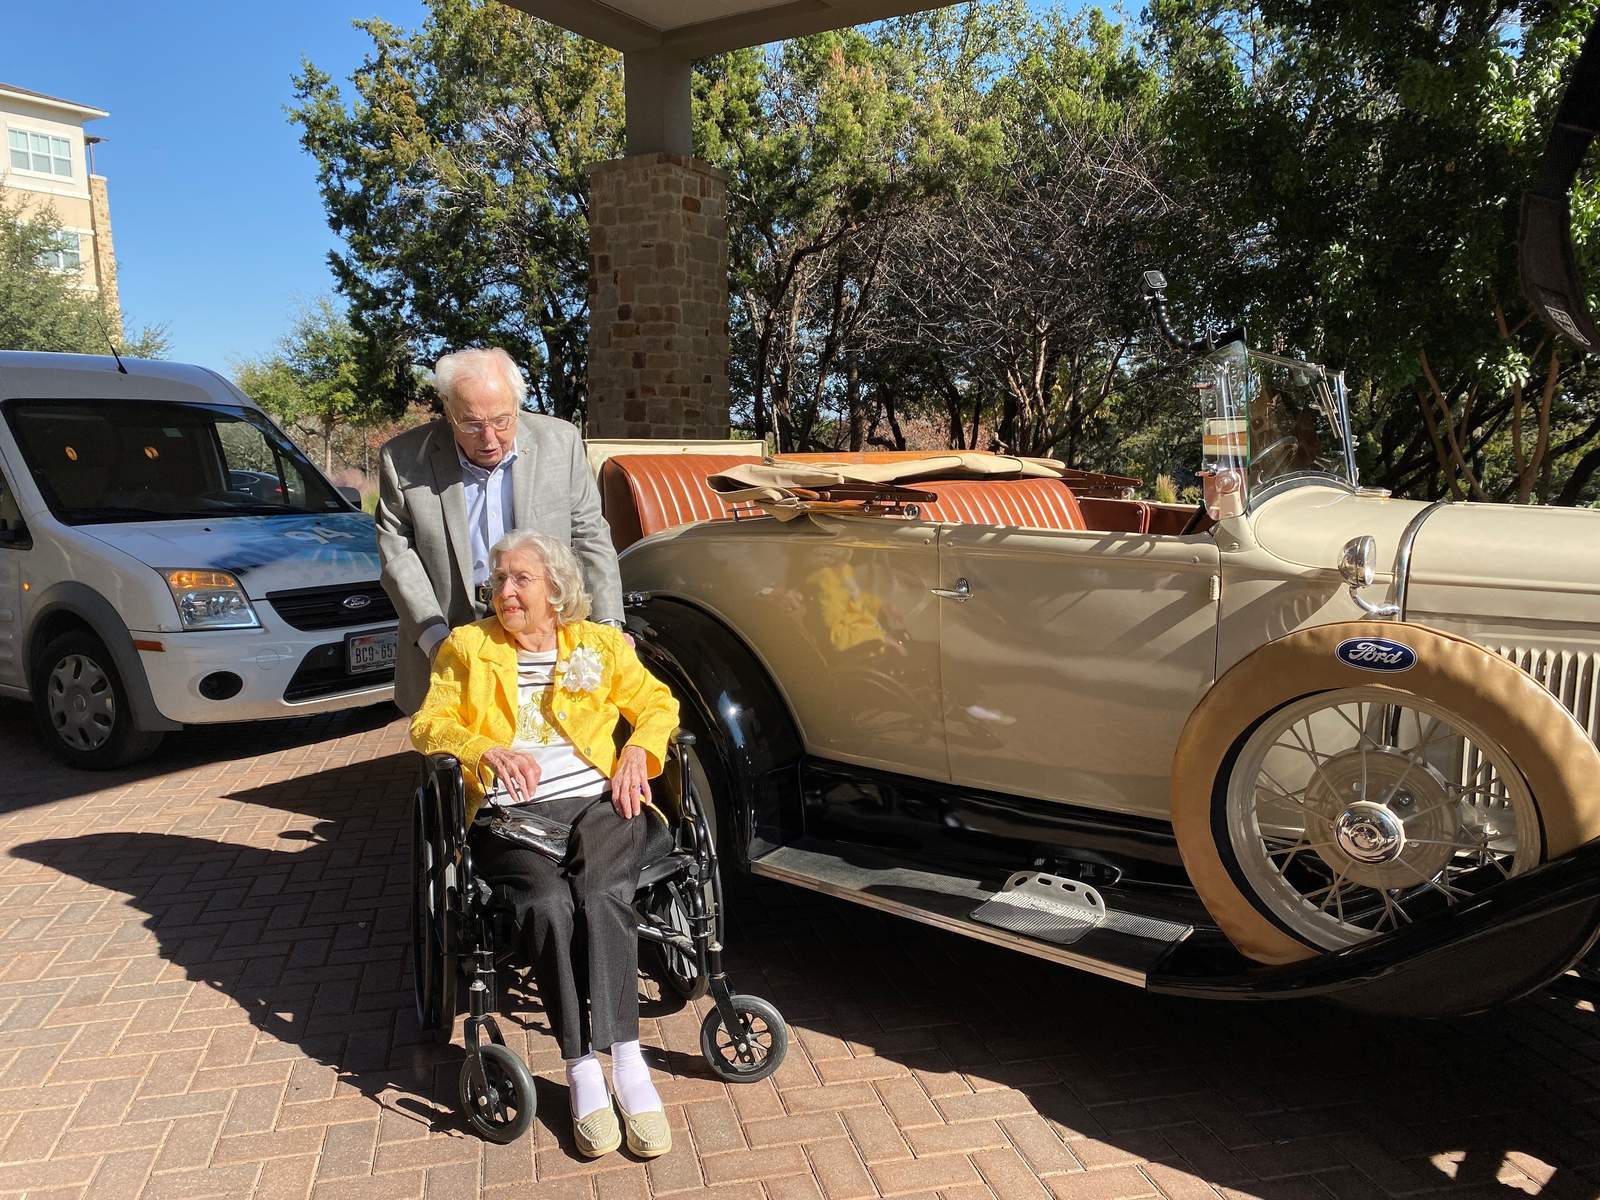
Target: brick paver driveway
203	992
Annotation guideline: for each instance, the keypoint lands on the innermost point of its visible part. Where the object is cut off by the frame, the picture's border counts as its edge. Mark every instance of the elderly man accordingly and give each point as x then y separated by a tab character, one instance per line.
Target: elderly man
450	490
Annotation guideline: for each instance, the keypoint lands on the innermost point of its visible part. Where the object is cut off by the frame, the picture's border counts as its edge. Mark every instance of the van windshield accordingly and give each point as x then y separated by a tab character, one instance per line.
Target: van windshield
146	460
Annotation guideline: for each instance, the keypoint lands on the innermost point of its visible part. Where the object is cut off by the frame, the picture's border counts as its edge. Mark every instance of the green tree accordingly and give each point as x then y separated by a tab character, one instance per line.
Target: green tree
455	176
40	307
317	381
1369	157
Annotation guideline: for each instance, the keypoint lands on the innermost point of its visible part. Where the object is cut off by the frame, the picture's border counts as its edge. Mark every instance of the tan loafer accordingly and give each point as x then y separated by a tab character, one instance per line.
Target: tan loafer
649	1135
597	1133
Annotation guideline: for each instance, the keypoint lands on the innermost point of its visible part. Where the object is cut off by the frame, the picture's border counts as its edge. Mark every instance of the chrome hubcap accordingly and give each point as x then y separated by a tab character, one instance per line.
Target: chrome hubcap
1356	812
1369	833
81	702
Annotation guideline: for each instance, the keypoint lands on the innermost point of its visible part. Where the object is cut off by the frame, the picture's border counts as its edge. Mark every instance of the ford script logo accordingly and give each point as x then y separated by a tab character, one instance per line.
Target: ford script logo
356	602
1376	654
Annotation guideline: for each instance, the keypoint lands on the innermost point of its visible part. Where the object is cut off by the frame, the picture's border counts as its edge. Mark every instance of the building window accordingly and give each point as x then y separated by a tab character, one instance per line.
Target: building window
67	255
40	152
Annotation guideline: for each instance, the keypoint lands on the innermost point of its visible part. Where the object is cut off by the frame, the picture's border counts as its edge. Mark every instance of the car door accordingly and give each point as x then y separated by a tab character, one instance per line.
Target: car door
1070	660
14	547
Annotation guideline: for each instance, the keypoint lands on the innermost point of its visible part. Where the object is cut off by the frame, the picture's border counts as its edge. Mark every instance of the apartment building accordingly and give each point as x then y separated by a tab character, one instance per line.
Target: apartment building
46	164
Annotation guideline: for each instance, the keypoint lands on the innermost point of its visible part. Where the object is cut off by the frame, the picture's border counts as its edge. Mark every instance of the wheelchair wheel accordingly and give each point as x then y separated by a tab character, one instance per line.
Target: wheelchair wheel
766	1040
433	966
676	972
503	1111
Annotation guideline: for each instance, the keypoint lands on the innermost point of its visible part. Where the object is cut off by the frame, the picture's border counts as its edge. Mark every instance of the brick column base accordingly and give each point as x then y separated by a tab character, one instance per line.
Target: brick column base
658	298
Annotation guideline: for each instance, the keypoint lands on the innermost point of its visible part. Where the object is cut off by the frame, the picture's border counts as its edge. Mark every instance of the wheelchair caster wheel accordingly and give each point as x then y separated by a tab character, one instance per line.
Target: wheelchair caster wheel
750	1053
503	1112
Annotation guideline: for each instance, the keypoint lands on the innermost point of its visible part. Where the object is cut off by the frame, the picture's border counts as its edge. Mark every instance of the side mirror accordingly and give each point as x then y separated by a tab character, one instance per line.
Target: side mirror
1356	569
351	494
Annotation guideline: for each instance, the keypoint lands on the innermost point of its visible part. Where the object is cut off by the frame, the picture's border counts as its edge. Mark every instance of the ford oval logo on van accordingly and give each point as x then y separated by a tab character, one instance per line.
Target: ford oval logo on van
1376	654
356	602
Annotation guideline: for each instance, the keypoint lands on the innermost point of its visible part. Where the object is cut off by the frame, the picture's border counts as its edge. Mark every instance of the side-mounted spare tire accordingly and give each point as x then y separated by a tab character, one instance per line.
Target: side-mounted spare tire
1350	779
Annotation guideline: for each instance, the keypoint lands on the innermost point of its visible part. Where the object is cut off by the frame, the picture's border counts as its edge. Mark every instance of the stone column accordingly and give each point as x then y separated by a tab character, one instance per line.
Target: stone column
658	298
105	254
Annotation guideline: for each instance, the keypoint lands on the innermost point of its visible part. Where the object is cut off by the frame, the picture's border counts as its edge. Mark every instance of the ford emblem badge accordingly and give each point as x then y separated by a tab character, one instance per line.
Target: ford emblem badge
1376	654
356	602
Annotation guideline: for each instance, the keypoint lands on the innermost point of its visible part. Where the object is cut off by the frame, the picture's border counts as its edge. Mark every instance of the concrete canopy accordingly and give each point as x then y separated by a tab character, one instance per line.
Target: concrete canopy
697	28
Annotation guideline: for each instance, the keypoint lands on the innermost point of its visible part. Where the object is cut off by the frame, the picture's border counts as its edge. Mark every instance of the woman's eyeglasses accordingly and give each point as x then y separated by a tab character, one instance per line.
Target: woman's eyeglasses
477	428
522	579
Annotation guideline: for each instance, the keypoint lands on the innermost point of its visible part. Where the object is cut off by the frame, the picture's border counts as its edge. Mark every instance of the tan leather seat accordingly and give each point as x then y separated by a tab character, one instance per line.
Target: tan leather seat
646	493
1019	503
643	494
1116	516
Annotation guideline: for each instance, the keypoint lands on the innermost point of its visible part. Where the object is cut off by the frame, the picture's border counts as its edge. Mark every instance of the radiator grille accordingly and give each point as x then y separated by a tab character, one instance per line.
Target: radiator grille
1571	676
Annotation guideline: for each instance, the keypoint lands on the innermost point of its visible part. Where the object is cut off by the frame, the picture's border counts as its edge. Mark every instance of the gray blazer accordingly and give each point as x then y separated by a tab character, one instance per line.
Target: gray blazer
427	552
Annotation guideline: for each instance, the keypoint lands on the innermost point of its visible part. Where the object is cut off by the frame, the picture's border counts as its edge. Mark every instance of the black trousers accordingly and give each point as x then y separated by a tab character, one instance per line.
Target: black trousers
575	919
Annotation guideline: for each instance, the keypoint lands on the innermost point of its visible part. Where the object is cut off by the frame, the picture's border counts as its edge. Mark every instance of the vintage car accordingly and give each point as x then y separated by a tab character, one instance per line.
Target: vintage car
1305	740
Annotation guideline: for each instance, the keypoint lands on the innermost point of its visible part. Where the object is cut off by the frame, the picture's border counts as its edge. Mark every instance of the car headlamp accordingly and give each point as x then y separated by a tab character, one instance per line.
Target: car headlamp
210	600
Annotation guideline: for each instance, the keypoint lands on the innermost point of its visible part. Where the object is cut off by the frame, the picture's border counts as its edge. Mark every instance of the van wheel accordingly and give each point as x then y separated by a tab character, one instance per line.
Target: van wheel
82	708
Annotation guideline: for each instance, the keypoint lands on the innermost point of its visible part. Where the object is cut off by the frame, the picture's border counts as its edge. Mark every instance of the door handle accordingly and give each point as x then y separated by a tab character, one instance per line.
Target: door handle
962	591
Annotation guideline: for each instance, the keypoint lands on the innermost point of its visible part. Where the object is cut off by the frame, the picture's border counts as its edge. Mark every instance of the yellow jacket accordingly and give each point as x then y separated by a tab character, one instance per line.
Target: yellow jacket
471	706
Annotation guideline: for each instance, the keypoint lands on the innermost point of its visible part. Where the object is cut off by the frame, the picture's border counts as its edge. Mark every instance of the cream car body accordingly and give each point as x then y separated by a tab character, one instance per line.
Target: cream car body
957	688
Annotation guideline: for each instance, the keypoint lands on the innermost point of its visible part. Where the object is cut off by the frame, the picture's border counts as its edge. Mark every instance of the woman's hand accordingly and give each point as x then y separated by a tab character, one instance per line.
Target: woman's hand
517	769
630	782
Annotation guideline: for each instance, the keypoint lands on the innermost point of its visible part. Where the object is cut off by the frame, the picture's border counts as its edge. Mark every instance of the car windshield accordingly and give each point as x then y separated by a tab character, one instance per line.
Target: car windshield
1285	419
145	460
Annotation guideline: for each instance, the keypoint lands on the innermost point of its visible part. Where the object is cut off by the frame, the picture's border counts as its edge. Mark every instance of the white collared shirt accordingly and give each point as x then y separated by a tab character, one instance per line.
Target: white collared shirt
490	507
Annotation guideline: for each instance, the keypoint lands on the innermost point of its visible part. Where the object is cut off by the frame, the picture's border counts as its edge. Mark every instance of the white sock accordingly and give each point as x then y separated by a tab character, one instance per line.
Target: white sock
630	1079
586	1085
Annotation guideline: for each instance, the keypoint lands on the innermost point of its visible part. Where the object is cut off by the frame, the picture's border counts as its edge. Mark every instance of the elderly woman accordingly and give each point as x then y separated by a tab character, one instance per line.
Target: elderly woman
529	701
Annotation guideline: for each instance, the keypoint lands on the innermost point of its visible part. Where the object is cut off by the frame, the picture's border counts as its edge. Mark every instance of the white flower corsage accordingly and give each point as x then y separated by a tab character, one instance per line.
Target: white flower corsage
584	670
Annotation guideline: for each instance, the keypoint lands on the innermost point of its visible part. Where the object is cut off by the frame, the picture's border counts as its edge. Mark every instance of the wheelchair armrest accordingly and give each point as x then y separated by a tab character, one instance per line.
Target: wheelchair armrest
443	775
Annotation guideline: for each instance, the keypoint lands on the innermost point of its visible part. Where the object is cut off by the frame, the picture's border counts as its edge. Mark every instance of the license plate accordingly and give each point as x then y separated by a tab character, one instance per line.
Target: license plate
370	651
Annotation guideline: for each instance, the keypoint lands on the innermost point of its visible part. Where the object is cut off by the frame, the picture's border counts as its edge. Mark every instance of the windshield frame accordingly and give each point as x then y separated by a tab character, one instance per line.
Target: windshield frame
1229	366
277	440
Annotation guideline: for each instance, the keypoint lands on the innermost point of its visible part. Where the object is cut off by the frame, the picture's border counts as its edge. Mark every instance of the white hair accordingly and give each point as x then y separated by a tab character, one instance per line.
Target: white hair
493	364
563	580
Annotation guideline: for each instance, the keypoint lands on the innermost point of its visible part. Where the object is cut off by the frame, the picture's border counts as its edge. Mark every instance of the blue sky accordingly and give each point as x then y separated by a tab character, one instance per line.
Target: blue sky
214	206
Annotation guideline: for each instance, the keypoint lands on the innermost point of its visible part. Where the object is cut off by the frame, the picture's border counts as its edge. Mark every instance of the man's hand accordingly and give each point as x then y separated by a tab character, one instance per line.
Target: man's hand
630	783
517	769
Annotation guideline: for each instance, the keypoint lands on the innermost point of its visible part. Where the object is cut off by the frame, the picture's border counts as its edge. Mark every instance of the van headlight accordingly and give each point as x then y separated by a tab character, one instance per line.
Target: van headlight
210	600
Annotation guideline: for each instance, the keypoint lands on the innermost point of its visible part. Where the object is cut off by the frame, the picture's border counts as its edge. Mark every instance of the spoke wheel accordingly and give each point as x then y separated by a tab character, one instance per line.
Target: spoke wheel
500	1110
753	1051
1355	812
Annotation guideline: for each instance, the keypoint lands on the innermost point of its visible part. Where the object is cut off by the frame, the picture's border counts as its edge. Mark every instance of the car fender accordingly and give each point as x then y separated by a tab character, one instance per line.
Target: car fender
1542	738
724	689
89	607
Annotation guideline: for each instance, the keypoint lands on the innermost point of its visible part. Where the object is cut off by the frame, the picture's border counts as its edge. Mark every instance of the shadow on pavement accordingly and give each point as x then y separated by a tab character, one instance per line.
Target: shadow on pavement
311	937
308	931
37	777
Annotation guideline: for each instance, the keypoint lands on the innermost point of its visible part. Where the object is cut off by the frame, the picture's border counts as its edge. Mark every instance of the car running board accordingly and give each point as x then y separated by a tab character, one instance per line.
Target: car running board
1044	919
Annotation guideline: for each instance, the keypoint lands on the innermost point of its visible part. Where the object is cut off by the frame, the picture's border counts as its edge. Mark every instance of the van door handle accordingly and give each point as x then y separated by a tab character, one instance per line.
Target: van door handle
962	591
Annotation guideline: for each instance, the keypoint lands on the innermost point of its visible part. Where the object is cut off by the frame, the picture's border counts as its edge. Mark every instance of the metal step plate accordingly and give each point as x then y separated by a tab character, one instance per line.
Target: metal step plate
1062	911
1119	946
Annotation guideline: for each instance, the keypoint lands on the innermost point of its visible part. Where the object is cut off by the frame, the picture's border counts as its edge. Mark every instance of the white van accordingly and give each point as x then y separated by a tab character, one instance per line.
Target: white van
169	557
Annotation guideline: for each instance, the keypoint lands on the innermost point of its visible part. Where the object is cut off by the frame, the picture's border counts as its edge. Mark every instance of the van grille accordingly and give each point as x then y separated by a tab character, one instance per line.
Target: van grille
1572	677
325	608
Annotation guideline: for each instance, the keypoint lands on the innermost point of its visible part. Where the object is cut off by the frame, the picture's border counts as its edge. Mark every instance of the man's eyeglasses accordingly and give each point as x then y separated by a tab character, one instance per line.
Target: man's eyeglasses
522	579
477	428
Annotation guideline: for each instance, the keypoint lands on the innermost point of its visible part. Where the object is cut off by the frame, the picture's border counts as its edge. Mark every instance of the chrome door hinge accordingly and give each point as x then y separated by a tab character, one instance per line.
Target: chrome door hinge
1216	588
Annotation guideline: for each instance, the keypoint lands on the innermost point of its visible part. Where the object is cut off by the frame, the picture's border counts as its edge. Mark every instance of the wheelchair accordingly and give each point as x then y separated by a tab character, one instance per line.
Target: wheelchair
459	935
